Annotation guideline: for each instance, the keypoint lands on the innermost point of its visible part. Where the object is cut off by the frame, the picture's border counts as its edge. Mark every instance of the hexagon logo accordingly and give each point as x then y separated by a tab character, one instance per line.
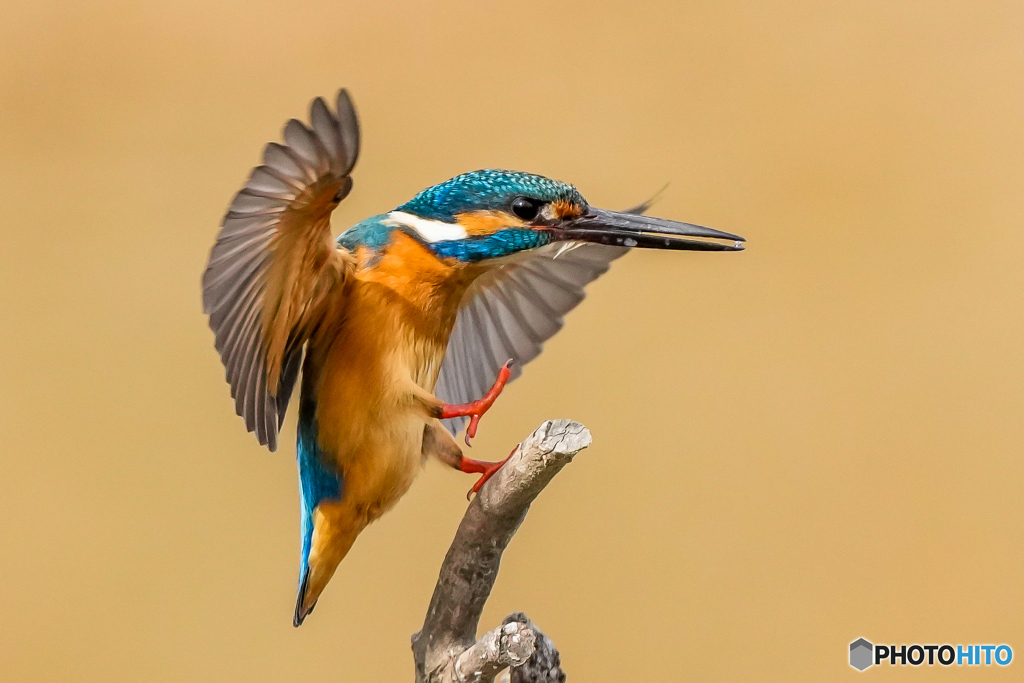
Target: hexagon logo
861	654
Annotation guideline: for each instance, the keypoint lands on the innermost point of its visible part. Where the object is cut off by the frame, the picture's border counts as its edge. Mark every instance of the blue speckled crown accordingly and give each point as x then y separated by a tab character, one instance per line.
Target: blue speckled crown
485	190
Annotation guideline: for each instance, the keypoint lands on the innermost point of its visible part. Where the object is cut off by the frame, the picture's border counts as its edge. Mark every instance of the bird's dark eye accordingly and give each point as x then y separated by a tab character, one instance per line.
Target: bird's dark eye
525	208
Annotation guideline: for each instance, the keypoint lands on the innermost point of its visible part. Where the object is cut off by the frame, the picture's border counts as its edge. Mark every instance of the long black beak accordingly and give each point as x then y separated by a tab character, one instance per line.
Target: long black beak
632	230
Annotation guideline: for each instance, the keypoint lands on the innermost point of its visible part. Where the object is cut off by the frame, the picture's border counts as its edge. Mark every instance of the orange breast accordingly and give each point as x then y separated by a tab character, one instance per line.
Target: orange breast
391	328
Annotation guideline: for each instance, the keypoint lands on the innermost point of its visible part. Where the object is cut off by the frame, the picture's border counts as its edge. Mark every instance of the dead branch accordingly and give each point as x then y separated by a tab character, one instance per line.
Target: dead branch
447	650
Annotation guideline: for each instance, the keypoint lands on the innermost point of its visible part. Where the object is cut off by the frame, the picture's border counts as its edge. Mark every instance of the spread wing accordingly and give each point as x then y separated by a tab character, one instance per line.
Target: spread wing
510	311
275	268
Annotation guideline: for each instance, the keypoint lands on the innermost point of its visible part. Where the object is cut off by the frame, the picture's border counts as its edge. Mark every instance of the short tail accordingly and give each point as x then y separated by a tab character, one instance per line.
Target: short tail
302	609
332	530
321	488
302	606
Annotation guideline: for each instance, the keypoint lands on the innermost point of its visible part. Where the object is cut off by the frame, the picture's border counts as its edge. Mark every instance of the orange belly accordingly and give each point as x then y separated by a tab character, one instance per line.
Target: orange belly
391	336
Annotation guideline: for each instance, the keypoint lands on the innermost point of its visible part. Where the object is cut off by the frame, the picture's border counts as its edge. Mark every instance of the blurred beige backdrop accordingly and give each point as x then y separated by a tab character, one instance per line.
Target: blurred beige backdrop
816	440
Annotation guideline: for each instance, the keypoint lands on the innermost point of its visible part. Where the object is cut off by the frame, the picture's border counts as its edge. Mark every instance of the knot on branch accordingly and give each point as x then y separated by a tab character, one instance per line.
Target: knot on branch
543	666
508	645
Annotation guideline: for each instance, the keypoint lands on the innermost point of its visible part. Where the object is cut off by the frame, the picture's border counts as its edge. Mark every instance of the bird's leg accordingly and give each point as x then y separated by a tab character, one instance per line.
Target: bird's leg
440	444
437	442
475	409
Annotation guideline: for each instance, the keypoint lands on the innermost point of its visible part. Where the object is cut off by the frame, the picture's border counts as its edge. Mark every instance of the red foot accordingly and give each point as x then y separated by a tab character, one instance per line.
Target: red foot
487	469
476	409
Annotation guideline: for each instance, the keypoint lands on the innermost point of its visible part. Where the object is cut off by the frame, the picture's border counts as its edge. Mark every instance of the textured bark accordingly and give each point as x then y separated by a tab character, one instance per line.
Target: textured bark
446	650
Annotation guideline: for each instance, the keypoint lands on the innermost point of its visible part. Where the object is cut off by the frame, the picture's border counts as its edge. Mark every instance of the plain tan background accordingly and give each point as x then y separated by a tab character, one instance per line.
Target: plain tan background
816	440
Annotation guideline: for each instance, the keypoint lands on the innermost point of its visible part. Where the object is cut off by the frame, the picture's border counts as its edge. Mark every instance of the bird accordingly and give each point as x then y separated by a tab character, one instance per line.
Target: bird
403	328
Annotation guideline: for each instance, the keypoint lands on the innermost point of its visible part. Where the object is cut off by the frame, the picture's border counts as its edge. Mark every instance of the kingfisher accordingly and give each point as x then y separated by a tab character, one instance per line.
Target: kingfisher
404	328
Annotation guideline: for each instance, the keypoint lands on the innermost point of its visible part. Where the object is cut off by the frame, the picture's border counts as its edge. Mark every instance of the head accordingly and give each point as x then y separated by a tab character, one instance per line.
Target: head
491	214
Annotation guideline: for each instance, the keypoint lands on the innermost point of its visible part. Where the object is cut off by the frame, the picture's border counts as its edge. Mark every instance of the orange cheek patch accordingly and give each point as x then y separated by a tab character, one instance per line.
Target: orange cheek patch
566	210
487	222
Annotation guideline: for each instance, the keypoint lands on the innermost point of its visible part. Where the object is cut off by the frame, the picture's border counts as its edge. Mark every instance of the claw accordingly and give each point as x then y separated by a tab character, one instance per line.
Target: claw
476	409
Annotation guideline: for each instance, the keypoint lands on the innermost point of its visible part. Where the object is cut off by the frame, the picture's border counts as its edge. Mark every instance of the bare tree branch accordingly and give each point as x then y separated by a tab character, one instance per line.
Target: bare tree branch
446	650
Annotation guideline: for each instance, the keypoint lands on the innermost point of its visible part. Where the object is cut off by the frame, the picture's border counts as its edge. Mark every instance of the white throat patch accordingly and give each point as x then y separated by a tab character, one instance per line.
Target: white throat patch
429	230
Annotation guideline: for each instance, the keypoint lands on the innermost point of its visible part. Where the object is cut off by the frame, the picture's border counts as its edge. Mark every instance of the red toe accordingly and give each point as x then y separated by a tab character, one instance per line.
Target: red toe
486	470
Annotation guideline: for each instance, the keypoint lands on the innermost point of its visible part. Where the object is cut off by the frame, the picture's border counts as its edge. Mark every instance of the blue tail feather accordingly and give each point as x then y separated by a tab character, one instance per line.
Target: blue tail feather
317	483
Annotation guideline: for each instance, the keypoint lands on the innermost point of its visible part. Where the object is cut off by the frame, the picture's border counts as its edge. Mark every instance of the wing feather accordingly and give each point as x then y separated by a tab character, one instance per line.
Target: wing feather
301	141
265	182
293	362
244	225
246	203
279	159
510	312
245	330
274	266
325	125
250	345
348	124
531	339
485	358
